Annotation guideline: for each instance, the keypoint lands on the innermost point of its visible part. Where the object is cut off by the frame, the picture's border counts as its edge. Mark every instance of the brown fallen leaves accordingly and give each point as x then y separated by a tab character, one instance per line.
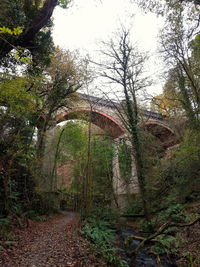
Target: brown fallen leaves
56	242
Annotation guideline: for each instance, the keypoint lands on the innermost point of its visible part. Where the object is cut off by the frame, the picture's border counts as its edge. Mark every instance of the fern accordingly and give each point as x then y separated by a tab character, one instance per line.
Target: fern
102	237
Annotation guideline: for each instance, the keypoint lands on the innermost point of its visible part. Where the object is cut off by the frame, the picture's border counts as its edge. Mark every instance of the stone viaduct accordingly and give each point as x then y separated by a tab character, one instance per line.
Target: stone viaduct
105	114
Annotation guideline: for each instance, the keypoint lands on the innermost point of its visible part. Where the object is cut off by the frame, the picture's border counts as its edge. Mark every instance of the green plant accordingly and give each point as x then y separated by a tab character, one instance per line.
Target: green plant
104	214
147	227
102	237
5	223
33	215
190	260
169	242
99	232
165	244
5	227
175	213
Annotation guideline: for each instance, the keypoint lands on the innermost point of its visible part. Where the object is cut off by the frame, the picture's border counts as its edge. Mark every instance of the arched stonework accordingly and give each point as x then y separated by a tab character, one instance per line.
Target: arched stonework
162	131
99	118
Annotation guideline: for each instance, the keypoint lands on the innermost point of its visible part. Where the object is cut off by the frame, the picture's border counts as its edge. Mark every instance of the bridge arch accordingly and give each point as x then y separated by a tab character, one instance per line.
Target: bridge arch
162	131
97	117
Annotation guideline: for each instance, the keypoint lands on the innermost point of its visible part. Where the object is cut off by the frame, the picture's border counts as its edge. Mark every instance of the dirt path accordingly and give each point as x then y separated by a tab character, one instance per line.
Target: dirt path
55	242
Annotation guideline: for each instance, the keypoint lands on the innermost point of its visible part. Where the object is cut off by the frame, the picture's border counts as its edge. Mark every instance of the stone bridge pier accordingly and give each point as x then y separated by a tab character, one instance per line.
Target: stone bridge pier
124	190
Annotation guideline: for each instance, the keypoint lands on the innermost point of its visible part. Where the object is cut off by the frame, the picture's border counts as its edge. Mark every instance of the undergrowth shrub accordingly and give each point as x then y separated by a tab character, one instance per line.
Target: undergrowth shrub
169	241
175	178
174	213
104	214
102	237
166	244
5	227
34	215
135	208
182	170
47	203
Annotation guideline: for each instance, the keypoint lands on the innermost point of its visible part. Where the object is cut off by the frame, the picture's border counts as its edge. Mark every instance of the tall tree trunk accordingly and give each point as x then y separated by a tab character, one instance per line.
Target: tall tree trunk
137	150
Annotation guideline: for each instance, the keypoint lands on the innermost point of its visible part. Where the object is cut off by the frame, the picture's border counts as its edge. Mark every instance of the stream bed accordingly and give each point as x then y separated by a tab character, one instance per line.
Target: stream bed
143	257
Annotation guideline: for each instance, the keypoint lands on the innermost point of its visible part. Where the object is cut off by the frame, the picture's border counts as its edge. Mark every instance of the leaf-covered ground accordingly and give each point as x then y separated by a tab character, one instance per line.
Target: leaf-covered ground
56	242
190	245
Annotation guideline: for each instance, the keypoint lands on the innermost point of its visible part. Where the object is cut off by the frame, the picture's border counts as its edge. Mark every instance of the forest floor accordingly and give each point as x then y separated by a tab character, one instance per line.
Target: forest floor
190	245
56	242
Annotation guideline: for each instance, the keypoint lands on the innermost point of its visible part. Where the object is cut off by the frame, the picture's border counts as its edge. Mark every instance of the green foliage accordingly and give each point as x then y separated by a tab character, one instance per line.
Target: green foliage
175	213
125	162
73	152
5	227
73	142
173	177
17	110
14	96
22	56
102	154
181	171
34	215
42	57
147	227
134	208
13	14
99	232
170	240
23	104
102	237
22	23
5	222
152	150
15	20
183	56
15	31
152	153
166	244
48	203
103	213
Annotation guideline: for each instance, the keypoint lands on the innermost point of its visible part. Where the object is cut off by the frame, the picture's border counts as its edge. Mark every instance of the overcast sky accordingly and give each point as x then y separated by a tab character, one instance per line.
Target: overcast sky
87	22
